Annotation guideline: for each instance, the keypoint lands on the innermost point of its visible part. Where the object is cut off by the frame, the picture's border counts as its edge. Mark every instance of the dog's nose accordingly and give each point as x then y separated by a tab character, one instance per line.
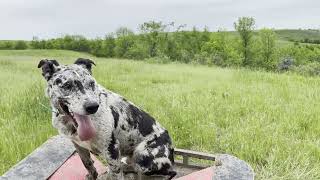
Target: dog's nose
91	107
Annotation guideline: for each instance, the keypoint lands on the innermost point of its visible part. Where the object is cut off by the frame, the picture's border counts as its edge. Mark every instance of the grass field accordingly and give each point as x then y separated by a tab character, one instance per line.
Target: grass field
270	120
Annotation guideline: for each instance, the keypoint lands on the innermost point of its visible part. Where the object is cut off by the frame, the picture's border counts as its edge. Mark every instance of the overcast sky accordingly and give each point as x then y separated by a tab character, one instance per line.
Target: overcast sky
22	19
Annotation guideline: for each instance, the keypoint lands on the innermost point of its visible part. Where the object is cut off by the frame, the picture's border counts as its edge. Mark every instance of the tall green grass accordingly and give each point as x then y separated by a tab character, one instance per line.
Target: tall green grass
269	120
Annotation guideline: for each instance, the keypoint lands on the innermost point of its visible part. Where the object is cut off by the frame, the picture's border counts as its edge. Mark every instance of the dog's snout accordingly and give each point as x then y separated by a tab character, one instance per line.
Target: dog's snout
91	107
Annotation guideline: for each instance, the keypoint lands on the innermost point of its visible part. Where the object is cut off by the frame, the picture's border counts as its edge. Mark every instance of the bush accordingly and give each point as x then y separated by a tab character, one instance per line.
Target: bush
202	58
109	45
19	45
221	50
4	45
312	69
137	51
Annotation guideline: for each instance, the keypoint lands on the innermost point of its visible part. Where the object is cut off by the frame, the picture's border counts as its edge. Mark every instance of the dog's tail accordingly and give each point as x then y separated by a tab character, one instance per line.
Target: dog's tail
171	173
171	155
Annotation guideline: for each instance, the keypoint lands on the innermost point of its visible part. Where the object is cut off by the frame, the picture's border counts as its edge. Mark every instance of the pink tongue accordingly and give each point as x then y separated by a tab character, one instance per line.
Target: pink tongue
85	129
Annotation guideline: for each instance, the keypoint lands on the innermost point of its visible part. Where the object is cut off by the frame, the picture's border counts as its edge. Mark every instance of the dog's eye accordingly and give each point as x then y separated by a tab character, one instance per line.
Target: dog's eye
92	84
57	81
67	86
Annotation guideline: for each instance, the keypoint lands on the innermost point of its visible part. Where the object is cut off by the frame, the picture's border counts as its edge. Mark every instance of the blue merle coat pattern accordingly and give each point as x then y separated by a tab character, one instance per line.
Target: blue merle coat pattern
104	123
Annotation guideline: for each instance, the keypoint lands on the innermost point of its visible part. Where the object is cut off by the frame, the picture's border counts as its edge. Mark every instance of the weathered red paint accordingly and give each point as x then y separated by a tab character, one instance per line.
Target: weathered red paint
205	174
73	169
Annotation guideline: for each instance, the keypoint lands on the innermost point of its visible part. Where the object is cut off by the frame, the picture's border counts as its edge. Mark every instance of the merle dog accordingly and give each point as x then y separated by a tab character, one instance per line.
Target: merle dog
104	123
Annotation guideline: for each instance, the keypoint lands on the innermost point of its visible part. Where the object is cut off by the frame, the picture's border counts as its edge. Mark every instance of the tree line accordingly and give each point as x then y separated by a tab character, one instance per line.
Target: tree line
160	42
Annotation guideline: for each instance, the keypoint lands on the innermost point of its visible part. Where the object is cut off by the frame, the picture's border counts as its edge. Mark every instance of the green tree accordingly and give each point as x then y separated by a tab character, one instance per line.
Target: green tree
245	27
96	47
221	50
20	45
124	41
6	45
267	40
35	43
109	45
153	35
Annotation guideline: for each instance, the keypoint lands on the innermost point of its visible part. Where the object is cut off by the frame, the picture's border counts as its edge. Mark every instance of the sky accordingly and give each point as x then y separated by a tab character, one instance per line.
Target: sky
23	19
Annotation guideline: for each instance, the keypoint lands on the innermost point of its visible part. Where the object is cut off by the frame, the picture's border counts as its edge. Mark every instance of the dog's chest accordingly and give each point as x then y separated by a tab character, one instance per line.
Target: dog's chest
85	144
90	145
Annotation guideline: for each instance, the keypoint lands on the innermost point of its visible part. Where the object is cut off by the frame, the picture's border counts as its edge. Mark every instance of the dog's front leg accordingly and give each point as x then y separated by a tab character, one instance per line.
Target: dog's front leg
112	155
87	162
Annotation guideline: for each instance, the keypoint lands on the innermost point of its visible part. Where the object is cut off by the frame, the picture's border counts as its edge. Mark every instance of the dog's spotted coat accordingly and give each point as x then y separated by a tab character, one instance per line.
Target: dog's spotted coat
122	130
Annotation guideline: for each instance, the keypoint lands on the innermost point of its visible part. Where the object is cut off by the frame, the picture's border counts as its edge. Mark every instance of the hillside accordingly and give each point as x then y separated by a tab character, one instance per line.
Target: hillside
298	34
288	36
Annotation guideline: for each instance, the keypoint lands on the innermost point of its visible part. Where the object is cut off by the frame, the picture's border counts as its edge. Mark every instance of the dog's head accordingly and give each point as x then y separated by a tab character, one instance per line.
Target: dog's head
73	92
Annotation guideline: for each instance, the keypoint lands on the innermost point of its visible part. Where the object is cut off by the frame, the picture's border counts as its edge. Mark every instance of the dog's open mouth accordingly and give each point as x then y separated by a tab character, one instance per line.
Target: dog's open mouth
82	123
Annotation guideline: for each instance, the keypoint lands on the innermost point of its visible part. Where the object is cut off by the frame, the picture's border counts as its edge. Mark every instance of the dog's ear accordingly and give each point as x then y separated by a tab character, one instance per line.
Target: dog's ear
49	67
86	63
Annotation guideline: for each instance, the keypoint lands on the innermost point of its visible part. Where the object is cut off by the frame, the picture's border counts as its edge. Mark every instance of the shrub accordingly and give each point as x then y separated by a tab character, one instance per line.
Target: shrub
221	50
137	51
19	45
6	45
311	69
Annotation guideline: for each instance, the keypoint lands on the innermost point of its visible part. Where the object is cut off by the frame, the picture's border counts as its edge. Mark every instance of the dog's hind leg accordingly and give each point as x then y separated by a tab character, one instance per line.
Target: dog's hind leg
154	160
87	162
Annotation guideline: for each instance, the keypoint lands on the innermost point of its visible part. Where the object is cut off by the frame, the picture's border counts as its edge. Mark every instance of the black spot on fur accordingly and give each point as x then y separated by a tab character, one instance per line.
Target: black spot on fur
115	115
73	130
161	152
163	139
165	170
80	86
145	161
132	123
57	81
145	126
171	155
141	119
122	127
113	151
